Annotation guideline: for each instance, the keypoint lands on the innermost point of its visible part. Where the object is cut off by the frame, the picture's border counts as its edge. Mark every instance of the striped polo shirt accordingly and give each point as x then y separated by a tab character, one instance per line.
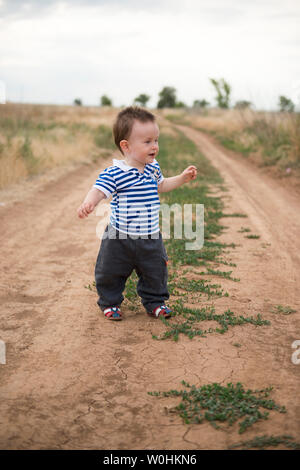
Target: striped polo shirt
135	203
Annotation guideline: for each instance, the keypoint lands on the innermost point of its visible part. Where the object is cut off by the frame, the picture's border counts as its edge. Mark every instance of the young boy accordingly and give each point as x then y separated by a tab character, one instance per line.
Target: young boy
132	239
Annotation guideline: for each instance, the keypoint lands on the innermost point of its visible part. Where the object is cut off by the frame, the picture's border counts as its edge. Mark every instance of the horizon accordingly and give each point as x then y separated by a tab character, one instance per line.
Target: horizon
154	108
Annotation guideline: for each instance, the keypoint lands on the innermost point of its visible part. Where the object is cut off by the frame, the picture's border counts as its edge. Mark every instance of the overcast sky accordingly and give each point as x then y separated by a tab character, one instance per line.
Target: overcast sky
55	51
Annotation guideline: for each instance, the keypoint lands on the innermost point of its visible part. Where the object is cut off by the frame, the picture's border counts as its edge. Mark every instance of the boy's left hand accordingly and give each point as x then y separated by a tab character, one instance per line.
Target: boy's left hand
190	173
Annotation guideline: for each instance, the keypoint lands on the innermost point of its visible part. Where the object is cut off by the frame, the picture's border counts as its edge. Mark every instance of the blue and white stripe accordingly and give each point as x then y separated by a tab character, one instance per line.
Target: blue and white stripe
135	203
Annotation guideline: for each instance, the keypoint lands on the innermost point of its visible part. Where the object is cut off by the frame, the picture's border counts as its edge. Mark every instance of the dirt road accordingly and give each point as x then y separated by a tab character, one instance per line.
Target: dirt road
73	380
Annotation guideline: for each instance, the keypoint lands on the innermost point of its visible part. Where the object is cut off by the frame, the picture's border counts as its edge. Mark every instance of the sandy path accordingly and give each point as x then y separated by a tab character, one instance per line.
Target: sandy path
76	381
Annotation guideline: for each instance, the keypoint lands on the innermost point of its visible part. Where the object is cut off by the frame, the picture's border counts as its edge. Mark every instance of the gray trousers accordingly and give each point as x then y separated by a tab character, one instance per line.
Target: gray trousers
116	260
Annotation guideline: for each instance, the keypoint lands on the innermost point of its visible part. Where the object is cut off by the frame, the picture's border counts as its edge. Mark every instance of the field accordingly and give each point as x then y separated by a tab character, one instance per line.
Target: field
223	371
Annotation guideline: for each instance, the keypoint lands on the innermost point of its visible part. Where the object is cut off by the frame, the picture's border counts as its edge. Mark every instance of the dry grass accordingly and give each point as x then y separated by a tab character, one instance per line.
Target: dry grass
36	138
268	138
91	115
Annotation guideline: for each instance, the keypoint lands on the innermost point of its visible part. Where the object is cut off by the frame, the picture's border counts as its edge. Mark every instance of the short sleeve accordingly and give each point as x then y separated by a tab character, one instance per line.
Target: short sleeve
158	174
106	183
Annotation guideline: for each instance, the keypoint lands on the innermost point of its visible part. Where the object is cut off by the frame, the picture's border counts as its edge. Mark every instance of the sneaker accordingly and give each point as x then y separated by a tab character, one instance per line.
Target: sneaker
161	311
113	313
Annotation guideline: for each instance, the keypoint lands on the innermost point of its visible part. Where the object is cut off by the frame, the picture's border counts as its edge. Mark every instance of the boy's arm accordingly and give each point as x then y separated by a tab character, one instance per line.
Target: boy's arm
168	184
93	197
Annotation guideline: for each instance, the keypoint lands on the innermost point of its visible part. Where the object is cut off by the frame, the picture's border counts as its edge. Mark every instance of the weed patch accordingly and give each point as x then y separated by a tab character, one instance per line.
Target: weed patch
193	316
261	442
218	404
284	310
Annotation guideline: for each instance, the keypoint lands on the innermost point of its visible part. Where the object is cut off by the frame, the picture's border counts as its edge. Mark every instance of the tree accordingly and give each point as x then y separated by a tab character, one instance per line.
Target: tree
167	98
222	97
242	104
286	104
142	99
200	104
180	104
77	102
105	101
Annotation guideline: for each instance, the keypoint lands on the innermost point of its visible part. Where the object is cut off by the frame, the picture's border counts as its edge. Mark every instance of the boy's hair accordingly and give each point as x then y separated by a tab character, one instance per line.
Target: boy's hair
123	125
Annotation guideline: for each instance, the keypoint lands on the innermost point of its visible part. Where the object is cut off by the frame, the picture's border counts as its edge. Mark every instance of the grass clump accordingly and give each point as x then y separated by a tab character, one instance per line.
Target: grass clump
235	144
103	137
261	442
200	285
178	119
222	404
192	316
284	310
130	287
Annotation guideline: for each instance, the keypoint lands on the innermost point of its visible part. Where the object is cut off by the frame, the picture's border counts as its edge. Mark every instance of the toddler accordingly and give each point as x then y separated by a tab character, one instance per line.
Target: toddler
132	240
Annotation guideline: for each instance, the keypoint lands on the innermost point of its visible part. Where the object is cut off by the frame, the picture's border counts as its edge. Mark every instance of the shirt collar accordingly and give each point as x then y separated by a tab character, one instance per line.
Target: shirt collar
123	165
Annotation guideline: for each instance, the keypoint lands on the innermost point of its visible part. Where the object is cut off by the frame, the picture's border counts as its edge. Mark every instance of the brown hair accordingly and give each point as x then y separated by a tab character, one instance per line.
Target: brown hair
123	125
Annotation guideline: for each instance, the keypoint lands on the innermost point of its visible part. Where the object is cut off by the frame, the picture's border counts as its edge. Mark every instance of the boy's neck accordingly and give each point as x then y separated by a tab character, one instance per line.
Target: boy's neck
140	166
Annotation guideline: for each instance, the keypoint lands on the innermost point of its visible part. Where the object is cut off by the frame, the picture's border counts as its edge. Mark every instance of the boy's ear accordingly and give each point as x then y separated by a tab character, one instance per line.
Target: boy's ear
124	145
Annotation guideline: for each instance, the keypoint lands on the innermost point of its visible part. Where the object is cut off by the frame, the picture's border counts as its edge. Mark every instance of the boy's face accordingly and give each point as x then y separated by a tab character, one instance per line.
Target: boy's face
142	145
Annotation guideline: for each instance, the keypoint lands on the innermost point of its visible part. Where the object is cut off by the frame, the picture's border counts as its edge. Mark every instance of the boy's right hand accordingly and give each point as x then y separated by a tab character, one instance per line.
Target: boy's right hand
85	209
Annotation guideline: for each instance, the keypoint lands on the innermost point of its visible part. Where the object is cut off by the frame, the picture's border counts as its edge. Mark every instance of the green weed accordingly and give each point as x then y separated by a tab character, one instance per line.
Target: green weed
235	145
218	404
261	442
284	310
26	153
196	315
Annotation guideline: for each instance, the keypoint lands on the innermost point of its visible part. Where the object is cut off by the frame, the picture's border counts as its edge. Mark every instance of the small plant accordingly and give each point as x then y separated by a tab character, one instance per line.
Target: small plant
90	287
27	154
260	442
252	236
235	214
216	403
130	287
200	285
224	274
244	229
192	316
284	310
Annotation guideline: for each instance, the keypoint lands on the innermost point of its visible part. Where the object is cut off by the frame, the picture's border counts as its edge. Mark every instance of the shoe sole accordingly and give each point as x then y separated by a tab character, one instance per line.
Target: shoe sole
154	316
